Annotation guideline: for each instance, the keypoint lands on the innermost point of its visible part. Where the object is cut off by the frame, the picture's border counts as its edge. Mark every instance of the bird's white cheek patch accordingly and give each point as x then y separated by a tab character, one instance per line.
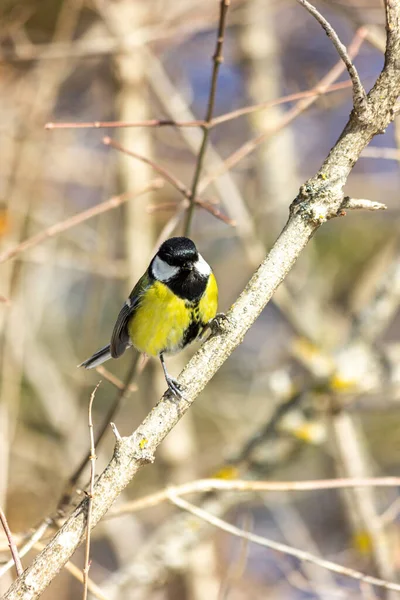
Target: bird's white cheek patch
202	266
162	270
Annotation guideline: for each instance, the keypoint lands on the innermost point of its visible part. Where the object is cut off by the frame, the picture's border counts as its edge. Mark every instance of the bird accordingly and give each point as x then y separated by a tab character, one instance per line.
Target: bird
172	304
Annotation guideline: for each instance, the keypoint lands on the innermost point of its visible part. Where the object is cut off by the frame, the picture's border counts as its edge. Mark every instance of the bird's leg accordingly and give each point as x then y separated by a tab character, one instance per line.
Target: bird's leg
174	387
215	325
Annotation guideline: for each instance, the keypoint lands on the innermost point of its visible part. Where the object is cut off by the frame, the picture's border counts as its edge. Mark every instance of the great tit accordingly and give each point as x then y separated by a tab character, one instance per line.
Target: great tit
170	306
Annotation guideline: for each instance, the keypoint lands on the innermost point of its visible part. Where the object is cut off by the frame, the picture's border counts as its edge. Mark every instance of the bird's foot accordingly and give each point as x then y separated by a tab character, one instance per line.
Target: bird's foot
216	325
175	388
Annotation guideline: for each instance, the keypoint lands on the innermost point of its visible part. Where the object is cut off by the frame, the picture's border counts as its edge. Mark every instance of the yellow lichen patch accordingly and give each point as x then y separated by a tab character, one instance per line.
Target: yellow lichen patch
143	443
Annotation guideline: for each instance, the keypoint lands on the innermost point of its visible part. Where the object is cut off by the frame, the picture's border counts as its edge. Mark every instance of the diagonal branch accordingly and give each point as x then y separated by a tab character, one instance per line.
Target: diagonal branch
11	543
359	96
279	547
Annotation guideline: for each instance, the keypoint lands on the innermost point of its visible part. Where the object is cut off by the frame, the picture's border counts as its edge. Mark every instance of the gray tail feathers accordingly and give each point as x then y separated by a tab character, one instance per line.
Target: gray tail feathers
98	358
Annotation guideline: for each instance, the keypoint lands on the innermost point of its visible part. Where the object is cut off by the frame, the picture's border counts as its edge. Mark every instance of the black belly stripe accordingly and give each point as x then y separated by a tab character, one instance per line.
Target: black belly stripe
195	327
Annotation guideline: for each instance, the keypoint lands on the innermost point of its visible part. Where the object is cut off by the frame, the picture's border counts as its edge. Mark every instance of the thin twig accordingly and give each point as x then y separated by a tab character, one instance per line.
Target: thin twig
28	545
361	204
224	118
114	380
360	100
283	548
242	485
11	544
218	59
66	224
174	181
71	484
92	459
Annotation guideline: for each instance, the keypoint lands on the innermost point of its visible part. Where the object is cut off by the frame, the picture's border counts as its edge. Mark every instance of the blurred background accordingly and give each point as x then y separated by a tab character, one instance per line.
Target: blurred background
313	390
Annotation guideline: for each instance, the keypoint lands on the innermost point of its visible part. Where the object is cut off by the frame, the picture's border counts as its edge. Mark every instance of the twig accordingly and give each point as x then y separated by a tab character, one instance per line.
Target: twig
359	96
360	203
11	543
224	118
238	485
278	547
384	153
174	181
114	380
66	224
92	459
29	544
71	484
218	59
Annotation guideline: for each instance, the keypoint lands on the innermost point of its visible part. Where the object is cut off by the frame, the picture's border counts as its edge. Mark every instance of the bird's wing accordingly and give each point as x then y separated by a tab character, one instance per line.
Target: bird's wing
120	335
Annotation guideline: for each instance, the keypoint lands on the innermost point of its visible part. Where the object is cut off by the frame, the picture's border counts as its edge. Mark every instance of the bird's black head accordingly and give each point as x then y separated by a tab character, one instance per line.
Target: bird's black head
178	252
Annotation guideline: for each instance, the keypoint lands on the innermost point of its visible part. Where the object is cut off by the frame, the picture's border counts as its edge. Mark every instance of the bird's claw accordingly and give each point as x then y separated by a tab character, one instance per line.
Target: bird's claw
175	388
216	325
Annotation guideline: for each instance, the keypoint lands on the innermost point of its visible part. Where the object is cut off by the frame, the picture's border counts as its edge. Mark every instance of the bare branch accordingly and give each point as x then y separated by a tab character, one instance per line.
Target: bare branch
28	545
361	204
240	112
11	543
218	59
238	485
283	548
92	459
359	96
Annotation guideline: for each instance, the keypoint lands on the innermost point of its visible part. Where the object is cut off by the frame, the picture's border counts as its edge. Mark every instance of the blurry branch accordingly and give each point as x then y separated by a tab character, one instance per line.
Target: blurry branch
114	380
11	543
292	114
58	228
353	460
359	96
268	429
282	548
174	181
92	459
240	112
373	318
319	199
385	153
218	59
238	485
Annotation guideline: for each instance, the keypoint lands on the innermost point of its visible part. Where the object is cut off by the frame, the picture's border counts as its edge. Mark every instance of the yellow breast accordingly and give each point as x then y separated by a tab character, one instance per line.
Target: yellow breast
162	318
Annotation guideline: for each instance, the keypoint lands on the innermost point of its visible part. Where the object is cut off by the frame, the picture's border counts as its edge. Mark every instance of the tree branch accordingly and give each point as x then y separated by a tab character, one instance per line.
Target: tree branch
359	96
283	548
